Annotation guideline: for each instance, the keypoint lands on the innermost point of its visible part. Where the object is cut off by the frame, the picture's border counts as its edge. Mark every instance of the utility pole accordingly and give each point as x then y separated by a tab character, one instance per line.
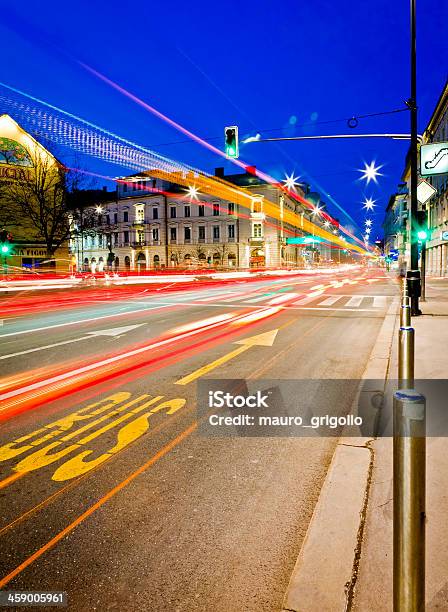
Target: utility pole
414	285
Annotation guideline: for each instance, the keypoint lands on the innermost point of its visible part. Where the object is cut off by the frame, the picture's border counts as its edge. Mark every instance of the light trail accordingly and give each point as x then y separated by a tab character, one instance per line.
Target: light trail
98	142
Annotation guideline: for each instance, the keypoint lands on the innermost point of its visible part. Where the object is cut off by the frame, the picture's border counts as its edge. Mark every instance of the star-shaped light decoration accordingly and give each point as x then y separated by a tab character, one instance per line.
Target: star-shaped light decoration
193	192
368	230
291	182
369	204
370	172
316	210
368	222
327	223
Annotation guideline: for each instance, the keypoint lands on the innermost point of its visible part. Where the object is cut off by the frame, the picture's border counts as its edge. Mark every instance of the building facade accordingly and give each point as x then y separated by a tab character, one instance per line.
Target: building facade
25	166
397	227
437	243
153	223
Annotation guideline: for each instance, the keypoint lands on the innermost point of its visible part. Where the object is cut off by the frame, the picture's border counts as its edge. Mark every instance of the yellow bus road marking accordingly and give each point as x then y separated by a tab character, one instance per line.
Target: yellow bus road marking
67	487
58	537
78	465
265	339
13	449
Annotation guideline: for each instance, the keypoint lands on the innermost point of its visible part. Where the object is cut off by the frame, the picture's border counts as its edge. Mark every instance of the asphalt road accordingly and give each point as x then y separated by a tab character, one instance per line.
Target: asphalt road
108	490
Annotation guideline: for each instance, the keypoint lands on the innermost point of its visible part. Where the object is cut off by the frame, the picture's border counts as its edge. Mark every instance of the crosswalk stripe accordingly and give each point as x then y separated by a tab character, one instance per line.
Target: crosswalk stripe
355	300
306	300
331	300
379	301
283	298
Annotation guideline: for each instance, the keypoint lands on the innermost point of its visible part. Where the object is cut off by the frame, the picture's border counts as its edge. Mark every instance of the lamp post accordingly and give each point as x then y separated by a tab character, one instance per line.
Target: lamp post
415	285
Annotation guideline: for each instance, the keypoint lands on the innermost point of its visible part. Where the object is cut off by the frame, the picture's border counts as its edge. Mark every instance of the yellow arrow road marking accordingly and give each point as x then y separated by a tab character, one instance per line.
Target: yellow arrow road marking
265	339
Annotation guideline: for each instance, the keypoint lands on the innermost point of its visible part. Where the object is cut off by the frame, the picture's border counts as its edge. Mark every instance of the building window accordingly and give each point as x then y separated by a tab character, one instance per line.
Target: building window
115	218
172	212
125	216
257	206
187	211
215	233
155	234
231	231
140	214
155	213
100	219
257	230
140	236
126	237
187	234
173	233
125	187
115	238
201	210
108	220
231	208
216	210
201	233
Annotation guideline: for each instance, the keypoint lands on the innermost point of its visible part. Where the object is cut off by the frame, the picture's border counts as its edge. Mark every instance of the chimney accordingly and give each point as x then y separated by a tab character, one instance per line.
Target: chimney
219	172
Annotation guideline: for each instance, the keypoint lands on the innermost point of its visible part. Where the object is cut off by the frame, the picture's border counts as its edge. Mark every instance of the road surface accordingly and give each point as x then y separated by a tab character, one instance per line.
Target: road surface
109	493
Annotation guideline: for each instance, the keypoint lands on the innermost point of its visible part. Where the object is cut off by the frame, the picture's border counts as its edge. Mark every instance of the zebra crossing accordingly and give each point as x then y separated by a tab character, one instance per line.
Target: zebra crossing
317	300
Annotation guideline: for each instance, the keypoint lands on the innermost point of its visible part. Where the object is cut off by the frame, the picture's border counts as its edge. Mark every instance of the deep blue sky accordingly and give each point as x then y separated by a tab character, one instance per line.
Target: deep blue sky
254	64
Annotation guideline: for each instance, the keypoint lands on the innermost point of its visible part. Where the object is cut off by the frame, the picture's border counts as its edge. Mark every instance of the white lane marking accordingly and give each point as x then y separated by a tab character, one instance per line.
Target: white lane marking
283	298
97	318
379	301
240	297
355	300
306	300
330	301
116	331
110	360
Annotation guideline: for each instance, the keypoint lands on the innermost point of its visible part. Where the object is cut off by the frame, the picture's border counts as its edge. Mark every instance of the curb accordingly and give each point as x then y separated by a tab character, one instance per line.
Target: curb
325	573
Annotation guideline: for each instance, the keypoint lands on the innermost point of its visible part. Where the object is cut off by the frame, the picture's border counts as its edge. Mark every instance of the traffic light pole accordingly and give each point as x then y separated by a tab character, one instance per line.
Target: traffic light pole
412	103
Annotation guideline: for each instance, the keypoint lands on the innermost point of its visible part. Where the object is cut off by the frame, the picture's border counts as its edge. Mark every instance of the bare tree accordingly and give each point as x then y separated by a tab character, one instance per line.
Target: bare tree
37	204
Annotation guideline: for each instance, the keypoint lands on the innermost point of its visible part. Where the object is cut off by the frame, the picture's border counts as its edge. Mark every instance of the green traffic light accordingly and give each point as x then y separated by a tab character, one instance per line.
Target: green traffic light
5	249
422	235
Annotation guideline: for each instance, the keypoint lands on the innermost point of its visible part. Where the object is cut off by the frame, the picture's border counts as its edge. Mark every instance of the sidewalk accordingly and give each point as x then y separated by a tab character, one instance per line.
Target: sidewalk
345	564
373	589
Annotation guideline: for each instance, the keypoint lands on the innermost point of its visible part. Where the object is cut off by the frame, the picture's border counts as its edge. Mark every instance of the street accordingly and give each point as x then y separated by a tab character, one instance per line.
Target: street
109	493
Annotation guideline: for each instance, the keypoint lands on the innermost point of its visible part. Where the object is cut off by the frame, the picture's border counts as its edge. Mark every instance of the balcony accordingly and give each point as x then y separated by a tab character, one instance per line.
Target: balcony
256	240
139	223
201	240
139	245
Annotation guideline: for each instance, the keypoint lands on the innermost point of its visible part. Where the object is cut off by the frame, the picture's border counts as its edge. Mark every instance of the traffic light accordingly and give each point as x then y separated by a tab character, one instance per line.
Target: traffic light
5	242
422	224
231	141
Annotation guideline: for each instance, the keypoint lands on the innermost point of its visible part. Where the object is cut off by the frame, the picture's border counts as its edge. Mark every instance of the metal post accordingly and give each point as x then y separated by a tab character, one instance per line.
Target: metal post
406	357
405	313
423	271
412	103
409	448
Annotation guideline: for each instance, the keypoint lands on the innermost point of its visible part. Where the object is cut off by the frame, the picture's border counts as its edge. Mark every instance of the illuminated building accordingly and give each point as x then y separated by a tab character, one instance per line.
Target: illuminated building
155	223
23	164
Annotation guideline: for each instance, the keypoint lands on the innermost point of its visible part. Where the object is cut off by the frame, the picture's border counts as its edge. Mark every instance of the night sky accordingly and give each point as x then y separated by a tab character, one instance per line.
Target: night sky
281	68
